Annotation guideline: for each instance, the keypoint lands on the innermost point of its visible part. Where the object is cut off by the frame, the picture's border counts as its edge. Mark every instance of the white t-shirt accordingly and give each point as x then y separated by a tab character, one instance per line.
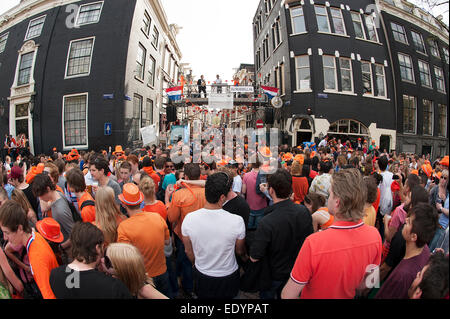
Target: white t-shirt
237	184
386	201
213	234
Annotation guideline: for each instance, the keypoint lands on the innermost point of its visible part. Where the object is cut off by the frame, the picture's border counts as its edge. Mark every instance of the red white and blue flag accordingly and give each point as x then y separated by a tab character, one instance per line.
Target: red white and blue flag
271	92
174	93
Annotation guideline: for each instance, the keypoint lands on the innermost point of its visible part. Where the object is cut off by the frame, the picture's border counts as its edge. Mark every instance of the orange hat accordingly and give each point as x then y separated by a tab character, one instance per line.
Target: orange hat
287	157
427	169
444	161
299	158
118	150
50	230
35	170
131	195
415	172
265	151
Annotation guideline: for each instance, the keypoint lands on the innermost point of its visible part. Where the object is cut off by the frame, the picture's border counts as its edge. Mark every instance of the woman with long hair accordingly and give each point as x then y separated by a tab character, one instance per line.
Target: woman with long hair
321	218
148	188
125	262
107	213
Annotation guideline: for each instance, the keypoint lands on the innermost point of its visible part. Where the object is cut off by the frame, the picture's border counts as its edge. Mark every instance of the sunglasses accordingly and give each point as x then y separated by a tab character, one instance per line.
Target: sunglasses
170	166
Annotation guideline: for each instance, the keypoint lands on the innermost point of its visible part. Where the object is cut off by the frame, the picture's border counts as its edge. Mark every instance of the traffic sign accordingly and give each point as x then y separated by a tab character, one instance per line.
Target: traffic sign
108	129
259	123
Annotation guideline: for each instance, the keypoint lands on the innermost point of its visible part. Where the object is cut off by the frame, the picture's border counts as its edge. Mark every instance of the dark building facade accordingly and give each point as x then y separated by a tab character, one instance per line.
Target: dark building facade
76	74
332	63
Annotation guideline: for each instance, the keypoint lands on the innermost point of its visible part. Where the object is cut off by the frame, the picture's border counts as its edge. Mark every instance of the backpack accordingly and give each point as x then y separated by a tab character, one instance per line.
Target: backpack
161	194
75	215
87	203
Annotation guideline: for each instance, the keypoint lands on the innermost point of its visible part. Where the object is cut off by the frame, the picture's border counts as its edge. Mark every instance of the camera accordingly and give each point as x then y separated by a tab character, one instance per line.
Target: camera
439	201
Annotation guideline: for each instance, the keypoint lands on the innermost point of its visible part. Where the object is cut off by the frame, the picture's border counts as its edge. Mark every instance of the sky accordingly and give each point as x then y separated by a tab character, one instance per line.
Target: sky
216	35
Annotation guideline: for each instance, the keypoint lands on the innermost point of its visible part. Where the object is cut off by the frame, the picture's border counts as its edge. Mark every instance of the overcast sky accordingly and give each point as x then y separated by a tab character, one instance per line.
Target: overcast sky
217	35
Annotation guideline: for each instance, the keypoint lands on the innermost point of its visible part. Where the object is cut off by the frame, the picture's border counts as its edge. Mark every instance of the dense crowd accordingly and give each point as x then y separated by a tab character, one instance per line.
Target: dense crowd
334	220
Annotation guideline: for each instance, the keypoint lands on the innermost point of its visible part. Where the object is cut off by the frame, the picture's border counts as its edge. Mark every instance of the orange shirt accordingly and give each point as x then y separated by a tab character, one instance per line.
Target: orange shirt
376	204
59	189
42	261
177	209
157	207
332	263
147	232
300	188
88	212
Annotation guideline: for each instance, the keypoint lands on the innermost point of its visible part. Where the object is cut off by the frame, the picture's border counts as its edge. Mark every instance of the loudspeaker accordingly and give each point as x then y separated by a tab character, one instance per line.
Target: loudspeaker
268	116
171	113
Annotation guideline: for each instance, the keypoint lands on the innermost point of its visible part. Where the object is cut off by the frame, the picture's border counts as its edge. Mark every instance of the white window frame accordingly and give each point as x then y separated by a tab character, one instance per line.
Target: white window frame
444	129
299	89
141	76
88	4
153	71
396	31
361	23
446	57
384	82
141	98
373	24
415	116
412	67
274	31
87	126
371	78
423	63
42	27
297	16
342	19
31	68
336	89
149	26
328	19
440	78
434	46
4	41
351	74
155	39
149	111
421	40
68	55
432	117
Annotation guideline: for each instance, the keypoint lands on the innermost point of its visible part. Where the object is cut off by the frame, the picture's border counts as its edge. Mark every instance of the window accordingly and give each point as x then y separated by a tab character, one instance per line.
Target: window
79	58
445	50
303	73
439	79
391	2
322	19
409	114
258	59
75	120
89	13
298	20
366	69
434	48
35	28
425	75
276	36
266	48
140	62
147	22
442	120
279	79
418	42
371	28
358	25
329	72
399	33
338	21
427	117
380	79
3	39
151	71
147	114
26	63
408	8
155	37
136	120
346	74
406	68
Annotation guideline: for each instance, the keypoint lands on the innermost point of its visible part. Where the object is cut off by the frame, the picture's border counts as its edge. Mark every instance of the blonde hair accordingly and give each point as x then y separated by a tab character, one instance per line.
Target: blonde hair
348	185
106	213
19	197
296	168
129	266
147	187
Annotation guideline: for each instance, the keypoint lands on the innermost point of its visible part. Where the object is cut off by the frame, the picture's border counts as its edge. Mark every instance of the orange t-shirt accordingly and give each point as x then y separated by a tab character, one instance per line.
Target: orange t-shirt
177	211
88	212
376	204
300	188
42	261
59	189
147	232
157	207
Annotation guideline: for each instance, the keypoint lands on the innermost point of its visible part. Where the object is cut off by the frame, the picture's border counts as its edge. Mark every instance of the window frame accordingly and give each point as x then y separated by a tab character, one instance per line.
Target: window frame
30	67
151	71
317	21
88	4
419	63
146	31
149	111
352	13
141	76
336	89
66	76
371	78
411	65
351	74
139	120
415	114
421	42
155	39
341	18
434	48
3	41
442	129
67	147
431	117
297	16
446	54
27	37
373	24
439	78
297	68
397	32
276	31
384	81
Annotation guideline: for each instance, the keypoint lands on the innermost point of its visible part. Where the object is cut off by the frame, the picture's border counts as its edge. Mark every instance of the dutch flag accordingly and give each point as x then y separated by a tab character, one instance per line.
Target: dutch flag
174	93
270	91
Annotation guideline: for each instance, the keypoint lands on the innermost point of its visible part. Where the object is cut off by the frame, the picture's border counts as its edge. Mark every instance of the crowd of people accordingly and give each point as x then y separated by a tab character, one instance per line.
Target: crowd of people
333	221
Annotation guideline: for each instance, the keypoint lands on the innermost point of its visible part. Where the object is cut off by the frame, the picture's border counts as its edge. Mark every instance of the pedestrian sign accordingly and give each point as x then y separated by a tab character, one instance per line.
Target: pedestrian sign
108	128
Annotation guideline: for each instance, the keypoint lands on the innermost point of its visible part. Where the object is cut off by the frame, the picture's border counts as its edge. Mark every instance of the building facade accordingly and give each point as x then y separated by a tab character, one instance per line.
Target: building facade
333	64
84	74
